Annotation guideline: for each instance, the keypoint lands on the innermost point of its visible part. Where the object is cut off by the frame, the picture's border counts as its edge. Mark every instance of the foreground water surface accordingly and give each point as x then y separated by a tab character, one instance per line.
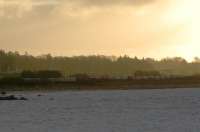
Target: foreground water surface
176	110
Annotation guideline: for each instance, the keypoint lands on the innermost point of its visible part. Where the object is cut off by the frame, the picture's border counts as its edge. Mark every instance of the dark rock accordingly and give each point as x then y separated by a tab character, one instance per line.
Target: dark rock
39	95
3	93
23	98
11	97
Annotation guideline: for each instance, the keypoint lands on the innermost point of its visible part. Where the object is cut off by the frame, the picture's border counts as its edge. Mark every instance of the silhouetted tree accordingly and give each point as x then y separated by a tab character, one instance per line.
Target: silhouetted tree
13	62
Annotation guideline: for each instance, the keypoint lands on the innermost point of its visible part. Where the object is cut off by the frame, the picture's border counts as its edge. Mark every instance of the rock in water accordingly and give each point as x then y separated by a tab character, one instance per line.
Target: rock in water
3	93
12	97
23	98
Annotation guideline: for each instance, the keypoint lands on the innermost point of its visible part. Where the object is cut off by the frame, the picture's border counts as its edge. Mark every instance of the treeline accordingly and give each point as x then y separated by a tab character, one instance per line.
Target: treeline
13	62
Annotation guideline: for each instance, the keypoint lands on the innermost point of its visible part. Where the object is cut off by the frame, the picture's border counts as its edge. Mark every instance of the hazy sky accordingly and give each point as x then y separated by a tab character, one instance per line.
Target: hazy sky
144	28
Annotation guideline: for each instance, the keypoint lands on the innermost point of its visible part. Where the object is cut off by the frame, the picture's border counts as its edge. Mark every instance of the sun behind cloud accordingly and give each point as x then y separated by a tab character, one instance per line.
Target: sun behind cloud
186	14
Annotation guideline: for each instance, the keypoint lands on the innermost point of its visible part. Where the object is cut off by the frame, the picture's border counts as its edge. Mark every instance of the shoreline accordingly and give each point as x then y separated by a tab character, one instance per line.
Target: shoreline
94	87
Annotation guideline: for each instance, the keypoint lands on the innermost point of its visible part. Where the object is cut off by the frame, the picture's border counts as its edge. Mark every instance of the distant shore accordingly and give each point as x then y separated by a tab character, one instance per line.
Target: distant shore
20	84
93	87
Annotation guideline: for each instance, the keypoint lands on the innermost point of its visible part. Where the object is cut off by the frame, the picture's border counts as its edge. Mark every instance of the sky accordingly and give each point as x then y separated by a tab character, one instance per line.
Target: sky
143	28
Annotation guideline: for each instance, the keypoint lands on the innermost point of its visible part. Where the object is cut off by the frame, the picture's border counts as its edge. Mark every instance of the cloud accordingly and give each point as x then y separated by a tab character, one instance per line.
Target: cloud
81	2
100	3
73	27
21	8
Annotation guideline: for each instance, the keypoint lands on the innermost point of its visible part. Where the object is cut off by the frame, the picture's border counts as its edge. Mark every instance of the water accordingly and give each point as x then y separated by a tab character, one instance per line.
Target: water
175	110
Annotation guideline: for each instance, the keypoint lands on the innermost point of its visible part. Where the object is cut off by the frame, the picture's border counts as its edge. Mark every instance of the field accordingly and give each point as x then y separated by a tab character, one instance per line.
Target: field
169	110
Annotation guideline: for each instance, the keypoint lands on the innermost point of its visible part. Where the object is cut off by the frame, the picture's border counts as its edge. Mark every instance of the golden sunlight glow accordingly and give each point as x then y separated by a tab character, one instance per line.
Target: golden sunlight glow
186	14
84	27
